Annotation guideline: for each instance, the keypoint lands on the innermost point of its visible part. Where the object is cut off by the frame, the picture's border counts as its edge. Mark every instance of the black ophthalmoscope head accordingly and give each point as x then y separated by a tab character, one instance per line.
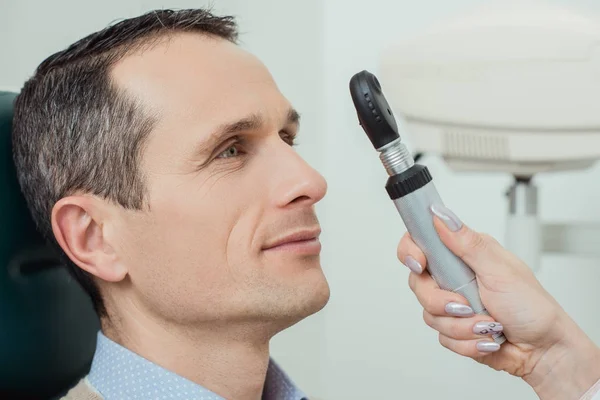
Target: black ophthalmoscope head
374	113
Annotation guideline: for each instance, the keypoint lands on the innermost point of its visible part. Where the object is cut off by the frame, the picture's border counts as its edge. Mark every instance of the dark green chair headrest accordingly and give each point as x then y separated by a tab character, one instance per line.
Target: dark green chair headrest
47	323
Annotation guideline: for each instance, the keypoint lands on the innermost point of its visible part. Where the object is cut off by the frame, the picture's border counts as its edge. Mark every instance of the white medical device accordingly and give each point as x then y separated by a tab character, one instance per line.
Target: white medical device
514	87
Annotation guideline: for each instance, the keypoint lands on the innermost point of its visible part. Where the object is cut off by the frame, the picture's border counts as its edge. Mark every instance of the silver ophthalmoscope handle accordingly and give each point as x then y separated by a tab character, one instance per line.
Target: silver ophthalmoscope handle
410	186
448	270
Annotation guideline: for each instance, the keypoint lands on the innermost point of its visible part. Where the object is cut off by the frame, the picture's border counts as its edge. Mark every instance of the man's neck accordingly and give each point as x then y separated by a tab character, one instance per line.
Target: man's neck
225	360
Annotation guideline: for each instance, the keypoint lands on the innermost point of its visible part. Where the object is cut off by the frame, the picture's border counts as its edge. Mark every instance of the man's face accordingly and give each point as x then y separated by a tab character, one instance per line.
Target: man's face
224	188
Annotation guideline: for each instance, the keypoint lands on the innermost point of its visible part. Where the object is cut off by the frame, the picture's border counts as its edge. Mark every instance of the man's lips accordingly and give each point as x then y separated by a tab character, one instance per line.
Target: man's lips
304	241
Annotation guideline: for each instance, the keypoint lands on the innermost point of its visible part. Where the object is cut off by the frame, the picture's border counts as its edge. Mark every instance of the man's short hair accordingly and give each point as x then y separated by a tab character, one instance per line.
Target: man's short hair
75	131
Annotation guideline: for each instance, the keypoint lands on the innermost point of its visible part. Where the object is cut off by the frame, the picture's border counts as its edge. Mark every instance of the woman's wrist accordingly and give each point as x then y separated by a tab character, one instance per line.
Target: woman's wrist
567	369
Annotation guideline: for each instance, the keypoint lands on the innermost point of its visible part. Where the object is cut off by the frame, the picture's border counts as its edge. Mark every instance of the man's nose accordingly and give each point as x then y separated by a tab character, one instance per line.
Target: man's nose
298	184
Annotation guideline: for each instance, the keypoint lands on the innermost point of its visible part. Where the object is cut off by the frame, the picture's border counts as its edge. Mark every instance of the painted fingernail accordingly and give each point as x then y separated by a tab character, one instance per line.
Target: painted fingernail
413	265
486	328
459	310
448	217
488	347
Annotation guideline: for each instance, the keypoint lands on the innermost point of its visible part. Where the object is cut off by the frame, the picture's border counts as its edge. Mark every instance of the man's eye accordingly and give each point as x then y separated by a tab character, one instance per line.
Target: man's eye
231	151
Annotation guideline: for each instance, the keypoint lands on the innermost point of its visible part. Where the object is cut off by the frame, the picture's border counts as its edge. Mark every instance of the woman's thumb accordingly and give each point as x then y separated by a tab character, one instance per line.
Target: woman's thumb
477	250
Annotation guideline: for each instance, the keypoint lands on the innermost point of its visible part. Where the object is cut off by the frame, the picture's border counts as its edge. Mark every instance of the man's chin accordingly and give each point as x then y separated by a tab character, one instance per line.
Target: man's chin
317	302
310	303
300	304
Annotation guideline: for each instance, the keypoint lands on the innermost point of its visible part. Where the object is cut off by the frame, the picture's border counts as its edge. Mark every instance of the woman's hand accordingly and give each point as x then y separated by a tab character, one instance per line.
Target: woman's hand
545	347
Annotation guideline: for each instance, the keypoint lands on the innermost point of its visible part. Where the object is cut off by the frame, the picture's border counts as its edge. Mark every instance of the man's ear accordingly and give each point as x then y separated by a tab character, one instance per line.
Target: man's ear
77	223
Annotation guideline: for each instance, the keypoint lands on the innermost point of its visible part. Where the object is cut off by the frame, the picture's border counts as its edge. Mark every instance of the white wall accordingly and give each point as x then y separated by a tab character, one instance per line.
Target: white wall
377	343
370	342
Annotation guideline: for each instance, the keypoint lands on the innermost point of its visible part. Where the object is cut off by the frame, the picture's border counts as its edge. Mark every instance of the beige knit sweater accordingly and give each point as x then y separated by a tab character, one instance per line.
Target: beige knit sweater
83	391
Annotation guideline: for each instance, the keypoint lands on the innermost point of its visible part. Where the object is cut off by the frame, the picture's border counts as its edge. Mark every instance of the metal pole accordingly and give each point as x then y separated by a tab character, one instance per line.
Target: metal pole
523	230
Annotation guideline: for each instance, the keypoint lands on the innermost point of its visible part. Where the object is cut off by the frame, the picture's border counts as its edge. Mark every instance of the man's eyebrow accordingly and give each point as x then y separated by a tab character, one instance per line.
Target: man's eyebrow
249	123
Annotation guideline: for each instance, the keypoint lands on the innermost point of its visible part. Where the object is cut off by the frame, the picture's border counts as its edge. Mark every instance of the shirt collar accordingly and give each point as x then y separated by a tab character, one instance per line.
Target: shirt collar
119	373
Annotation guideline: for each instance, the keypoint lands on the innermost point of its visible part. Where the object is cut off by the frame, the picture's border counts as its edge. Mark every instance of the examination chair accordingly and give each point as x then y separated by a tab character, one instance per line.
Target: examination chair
47	323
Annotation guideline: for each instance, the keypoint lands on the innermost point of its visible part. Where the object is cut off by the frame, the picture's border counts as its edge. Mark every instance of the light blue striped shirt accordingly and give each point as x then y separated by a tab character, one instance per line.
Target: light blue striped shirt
119	374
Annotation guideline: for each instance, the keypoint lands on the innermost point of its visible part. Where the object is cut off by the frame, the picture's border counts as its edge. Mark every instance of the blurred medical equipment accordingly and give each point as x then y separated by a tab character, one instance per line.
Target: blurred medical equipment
514	87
